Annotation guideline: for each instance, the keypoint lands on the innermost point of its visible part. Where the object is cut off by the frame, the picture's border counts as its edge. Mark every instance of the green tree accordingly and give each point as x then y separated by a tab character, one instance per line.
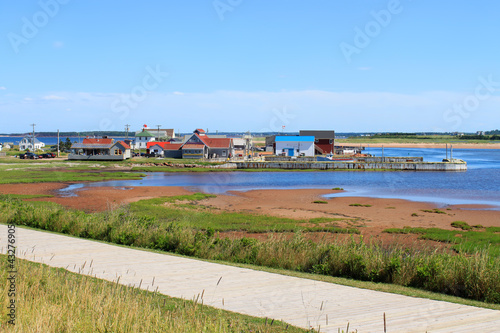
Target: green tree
65	145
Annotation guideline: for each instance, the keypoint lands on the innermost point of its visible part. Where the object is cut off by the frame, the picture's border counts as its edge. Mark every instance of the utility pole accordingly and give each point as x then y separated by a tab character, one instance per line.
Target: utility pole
33	138
127	128
57	143
158	131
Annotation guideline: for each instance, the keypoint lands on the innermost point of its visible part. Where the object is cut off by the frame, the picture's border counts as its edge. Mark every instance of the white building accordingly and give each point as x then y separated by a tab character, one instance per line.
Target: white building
142	138
27	143
294	145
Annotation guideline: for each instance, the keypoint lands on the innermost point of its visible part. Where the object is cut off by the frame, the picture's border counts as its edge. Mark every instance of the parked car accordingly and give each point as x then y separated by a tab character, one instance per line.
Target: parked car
48	155
153	155
29	155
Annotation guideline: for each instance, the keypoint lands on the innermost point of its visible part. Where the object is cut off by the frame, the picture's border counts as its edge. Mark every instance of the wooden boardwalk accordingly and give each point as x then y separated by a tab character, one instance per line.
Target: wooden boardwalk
301	302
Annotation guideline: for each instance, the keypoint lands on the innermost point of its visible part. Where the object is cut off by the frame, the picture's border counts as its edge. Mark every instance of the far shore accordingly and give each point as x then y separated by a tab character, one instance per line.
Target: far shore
422	145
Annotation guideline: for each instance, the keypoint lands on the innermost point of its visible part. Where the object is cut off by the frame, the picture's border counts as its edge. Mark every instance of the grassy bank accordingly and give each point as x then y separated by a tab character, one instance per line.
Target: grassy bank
187	211
468	239
29	172
473	276
56	300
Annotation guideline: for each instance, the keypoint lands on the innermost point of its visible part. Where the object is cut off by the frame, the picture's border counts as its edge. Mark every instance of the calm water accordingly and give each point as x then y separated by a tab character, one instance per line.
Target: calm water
480	184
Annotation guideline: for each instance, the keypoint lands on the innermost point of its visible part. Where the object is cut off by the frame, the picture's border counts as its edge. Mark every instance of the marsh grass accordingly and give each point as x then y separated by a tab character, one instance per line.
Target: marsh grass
359	205
465	226
435	211
56	300
475	275
469	240
32	175
196	215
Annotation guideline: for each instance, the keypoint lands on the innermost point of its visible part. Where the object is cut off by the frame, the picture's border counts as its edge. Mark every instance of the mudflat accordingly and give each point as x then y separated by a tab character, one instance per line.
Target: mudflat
369	215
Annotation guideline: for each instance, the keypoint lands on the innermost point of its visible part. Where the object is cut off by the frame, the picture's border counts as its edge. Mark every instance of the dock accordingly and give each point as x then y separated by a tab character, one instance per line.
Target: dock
361	163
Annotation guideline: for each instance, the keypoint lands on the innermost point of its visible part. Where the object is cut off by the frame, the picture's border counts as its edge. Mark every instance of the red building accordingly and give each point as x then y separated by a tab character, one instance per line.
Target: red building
324	141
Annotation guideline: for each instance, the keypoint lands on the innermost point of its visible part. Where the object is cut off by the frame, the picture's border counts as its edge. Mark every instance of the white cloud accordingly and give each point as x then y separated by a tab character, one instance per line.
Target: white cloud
53	98
257	110
178	93
3	88
57	44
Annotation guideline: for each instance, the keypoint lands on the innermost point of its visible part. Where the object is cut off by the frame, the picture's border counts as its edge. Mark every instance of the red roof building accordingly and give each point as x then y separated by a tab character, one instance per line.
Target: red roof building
101	141
200	145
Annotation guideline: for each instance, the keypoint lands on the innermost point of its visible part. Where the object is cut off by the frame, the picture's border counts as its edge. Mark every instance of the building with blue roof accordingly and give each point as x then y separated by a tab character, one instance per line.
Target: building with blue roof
294	145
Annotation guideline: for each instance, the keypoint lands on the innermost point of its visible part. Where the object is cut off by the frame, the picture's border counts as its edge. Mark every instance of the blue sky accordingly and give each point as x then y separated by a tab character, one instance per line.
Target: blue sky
237	65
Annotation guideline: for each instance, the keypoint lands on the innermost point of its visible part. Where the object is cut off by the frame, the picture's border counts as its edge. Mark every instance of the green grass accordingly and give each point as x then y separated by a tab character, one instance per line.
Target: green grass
337	189
359	205
473	276
467	241
465	226
56	300
320	202
435	211
41	176
217	220
30	196
175	169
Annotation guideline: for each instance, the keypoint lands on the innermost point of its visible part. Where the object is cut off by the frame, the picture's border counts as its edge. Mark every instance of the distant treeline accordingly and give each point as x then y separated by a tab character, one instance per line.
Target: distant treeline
98	133
400	136
480	137
495	132
73	134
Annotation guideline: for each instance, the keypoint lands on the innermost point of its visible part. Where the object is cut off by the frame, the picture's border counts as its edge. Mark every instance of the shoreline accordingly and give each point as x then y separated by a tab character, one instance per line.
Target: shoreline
371	216
423	145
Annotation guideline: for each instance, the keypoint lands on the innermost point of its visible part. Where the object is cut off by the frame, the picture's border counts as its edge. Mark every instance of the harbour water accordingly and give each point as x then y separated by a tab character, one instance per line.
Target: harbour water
480	184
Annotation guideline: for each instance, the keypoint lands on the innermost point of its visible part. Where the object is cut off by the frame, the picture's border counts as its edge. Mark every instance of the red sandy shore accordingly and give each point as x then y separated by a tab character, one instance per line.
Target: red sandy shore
424	145
296	204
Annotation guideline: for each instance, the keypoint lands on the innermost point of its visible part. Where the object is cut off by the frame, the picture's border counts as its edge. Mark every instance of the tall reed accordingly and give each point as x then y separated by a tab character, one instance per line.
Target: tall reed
473	276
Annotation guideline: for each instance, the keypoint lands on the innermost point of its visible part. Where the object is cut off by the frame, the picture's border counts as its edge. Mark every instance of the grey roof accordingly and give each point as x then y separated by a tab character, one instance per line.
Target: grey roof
91	146
318	134
30	139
